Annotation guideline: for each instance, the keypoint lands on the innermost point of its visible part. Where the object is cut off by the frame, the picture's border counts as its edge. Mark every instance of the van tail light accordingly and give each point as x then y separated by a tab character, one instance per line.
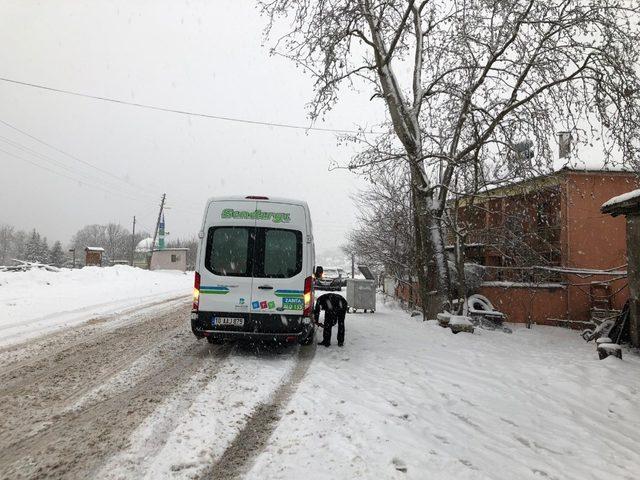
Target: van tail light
308	296
196	293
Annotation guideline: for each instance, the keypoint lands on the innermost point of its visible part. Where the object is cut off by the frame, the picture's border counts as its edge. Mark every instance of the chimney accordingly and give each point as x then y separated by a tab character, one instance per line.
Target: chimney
564	144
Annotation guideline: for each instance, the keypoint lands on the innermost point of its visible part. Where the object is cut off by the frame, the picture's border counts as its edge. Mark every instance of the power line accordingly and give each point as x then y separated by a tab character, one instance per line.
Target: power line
73	157
183	112
55	172
87	177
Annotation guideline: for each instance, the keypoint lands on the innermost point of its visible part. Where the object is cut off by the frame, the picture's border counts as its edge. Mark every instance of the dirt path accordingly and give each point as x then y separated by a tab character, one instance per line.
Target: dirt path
53	426
251	440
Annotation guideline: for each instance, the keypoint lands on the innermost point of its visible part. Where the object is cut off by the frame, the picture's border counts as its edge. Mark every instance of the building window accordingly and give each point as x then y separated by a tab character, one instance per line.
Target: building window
175	258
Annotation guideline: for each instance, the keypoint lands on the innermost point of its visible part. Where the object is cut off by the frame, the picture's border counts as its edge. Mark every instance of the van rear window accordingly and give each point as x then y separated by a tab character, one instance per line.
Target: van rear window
254	251
229	251
279	253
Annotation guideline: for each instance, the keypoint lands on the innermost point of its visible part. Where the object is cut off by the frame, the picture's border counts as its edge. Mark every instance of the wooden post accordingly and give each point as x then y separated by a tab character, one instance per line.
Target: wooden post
133	240
633	273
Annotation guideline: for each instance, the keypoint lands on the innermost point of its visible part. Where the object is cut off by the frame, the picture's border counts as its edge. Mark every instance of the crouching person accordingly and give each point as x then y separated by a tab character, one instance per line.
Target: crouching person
335	309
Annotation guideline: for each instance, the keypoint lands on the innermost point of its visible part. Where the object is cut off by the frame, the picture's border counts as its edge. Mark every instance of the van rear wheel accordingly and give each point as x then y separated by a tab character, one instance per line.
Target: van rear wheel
215	340
308	340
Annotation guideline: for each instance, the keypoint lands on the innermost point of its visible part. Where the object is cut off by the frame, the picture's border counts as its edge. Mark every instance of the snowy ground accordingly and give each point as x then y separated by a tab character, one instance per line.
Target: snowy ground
402	393
37	302
402	399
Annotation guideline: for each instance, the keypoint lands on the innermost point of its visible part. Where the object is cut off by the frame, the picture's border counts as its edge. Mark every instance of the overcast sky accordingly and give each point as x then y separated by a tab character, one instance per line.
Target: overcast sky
204	56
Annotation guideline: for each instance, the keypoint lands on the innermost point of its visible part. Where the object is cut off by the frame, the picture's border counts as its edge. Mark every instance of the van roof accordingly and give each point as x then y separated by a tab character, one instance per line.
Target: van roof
243	198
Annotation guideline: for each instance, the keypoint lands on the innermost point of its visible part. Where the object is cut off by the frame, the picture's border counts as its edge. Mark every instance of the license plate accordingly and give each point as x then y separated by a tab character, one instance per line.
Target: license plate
233	321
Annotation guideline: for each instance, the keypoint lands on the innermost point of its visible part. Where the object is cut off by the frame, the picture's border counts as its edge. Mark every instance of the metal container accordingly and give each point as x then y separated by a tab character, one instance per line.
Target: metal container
361	294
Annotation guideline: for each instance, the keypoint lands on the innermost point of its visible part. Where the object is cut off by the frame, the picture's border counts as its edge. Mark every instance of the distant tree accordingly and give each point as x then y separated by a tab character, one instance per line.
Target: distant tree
383	237
43	251
56	256
20	238
6	243
33	247
117	242
90	236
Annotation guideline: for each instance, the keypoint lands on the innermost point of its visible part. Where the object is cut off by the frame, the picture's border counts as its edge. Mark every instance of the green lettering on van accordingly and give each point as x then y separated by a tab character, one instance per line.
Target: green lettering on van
275	217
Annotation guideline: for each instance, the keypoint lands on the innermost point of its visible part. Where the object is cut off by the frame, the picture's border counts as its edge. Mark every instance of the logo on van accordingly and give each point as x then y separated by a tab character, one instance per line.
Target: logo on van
275	217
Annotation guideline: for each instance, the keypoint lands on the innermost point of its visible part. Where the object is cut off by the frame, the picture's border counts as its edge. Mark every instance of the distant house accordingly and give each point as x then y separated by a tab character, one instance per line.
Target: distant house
93	256
169	259
542	242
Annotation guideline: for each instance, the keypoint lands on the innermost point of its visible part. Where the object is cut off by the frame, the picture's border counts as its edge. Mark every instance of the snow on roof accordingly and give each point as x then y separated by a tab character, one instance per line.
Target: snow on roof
520	185
595	166
94	249
625	197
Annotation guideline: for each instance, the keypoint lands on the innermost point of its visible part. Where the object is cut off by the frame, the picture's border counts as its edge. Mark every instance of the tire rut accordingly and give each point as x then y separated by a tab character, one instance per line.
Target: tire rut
69	339
239	456
39	390
40	438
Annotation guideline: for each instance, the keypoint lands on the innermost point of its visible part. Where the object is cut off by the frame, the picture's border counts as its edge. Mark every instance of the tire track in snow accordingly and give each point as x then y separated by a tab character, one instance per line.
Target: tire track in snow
41	440
238	457
63	361
20	355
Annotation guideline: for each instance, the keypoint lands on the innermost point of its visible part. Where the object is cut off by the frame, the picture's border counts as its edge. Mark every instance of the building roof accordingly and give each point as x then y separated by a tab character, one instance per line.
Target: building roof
534	184
144	245
627	203
171	249
94	249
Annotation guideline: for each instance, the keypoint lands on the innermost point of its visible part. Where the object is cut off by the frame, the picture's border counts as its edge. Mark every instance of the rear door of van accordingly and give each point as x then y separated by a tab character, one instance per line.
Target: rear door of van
280	263
226	280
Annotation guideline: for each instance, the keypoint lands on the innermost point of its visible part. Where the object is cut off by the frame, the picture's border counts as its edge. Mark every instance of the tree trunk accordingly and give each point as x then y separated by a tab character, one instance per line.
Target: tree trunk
420	253
462	281
436	238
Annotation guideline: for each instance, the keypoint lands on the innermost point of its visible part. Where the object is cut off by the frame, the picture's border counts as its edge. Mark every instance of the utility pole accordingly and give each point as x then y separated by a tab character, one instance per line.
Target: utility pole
133	240
155	232
353	266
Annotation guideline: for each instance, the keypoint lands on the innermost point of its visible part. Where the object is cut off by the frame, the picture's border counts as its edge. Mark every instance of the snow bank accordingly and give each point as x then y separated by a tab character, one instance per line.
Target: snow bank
37	301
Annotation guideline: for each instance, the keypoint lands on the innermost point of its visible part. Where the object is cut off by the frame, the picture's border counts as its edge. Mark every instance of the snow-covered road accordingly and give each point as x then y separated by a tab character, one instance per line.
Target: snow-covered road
137	396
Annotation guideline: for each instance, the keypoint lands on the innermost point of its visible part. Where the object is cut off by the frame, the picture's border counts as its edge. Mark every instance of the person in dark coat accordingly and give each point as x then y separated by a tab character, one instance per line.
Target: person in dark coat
335	309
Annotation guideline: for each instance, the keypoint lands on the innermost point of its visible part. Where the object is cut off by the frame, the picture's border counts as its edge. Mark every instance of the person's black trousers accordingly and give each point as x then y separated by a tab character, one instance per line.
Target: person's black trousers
330	319
341	327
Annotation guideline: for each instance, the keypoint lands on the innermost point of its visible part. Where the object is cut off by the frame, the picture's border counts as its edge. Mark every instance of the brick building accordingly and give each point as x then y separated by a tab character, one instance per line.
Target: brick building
545	243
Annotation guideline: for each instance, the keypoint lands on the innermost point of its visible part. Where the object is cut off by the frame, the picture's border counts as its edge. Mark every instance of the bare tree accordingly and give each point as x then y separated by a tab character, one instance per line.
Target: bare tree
465	82
89	236
117	241
383	238
6	243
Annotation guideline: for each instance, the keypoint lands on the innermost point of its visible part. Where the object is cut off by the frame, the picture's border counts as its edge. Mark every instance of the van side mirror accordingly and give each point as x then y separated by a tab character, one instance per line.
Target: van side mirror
319	272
